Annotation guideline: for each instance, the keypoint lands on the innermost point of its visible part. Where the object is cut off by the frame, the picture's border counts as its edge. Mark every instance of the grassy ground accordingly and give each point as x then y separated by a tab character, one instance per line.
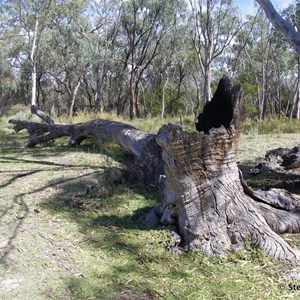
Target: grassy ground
72	228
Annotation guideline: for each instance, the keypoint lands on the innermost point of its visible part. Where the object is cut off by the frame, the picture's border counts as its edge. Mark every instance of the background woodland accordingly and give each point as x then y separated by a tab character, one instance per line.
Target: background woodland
143	58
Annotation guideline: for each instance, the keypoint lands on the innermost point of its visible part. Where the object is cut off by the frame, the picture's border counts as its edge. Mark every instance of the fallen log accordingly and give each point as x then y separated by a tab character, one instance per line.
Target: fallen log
279	159
143	146
203	192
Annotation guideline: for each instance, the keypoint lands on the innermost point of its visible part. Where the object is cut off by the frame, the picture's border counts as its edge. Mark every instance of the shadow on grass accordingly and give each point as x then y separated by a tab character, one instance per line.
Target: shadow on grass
18	212
81	289
103	191
13	216
111	213
108	209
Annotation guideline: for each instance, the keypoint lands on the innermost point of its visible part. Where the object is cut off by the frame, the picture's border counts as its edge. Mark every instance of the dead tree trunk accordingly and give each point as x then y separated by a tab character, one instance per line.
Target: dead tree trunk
280	158
215	211
148	163
202	188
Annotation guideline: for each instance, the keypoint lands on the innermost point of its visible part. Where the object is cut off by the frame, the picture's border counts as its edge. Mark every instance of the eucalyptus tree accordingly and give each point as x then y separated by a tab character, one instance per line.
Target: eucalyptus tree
283	75
266	68
31	18
215	25
70	56
143	28
161	82
8	80
292	13
104	42
249	60
260	60
285	26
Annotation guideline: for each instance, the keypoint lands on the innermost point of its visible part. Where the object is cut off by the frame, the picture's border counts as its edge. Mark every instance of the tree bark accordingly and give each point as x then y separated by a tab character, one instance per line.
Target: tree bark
203	192
133	96
73	99
163	98
41	114
33	60
282	25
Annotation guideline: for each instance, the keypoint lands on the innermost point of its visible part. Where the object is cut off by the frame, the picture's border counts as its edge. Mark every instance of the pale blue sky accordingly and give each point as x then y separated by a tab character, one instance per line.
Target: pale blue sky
250	7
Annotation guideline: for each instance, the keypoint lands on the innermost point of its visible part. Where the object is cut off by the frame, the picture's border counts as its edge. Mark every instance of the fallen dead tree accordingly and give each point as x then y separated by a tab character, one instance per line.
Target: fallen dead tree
203	192
280	158
143	146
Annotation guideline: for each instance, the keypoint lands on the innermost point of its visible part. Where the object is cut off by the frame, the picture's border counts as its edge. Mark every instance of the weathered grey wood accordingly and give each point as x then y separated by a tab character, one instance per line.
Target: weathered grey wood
203	192
276	198
148	162
35	110
205	196
280	158
123	134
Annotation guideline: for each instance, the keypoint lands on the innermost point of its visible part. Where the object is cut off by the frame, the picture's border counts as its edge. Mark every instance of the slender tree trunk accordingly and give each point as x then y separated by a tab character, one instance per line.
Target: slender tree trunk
100	86
73	99
198	98
33	84
296	97
133	100
207	84
262	96
33	61
163	98
98	96
278	90
298	104
297	94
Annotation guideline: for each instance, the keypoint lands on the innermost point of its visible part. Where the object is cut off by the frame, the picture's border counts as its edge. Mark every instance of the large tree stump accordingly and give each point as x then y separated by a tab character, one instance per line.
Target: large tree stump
203	192
206	196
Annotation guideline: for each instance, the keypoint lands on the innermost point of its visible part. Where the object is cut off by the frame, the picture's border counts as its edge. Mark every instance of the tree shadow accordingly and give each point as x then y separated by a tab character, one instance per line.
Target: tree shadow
14	210
80	288
105	199
110	220
104	190
21	211
24	173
